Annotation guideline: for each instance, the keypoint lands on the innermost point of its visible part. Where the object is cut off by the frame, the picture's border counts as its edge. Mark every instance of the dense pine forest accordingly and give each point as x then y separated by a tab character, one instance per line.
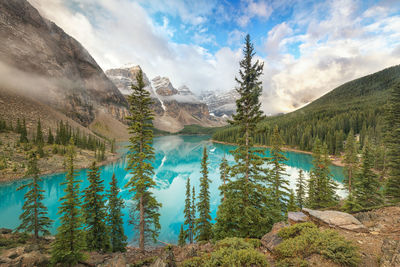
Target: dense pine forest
358	105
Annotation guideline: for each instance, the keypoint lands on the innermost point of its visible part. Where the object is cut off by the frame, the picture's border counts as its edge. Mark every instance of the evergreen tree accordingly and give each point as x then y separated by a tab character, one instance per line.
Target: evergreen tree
224	171
94	211
291	206
70	242
321	186
189	221
114	217
245	193
278	184
350	159
194	210
140	158
34	216
392	140
24	133
182	237
39	134
50	138
301	189
367	186
203	223
112	149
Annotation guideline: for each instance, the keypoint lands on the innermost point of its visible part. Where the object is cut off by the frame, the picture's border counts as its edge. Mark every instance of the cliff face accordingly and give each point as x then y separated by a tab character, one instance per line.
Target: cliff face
173	107
57	69
221	104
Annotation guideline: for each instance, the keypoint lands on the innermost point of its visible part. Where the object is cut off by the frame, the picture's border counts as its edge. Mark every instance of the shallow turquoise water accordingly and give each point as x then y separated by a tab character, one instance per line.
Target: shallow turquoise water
177	159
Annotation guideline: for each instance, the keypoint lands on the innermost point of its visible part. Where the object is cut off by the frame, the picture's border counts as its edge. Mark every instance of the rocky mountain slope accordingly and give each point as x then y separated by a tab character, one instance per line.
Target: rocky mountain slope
220	104
174	108
40	61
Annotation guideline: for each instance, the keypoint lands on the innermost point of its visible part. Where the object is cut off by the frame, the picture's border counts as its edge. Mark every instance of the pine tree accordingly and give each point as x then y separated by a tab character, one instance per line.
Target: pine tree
321	186
203	223
24	133
392	140
114	217
112	149
50	138
94	211
278	184
224	171
301	189
194	211
182	237
189	221
350	159
351	204
39	134
367	186
140	158
34	216
245	193
291	206
70	242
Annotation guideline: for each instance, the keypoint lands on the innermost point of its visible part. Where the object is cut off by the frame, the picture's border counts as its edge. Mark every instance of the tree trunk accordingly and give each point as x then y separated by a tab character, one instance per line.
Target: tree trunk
141	225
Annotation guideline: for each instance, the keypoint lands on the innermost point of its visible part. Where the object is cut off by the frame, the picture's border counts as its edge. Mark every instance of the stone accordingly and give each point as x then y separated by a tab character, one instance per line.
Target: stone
336	219
271	240
32	247
119	260
297	217
5	231
35	258
390	253
158	263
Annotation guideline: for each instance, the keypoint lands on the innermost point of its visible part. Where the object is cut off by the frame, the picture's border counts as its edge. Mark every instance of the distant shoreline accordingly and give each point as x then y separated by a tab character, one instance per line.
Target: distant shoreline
334	161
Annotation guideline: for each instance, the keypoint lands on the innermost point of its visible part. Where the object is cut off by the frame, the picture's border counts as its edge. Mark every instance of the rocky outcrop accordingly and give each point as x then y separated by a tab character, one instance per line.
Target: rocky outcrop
222	104
335	219
271	240
39	59
297	217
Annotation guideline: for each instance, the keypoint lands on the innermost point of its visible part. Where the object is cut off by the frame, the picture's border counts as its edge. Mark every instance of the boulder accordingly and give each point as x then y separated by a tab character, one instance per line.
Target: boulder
297	217
336	219
271	240
119	260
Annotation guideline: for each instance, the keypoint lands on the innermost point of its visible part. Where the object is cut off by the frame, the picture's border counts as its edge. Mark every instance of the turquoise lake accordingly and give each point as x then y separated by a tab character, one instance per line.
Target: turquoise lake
177	158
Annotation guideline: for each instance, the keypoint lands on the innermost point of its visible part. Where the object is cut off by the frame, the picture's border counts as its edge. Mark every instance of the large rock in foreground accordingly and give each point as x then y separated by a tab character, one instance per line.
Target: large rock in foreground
336	219
271	240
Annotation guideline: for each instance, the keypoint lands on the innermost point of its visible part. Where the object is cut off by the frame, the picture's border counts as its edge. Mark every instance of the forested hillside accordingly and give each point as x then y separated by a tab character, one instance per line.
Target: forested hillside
356	105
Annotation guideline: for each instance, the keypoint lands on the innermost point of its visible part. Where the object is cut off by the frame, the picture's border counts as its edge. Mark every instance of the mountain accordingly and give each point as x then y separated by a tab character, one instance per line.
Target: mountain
174	108
221	104
40	61
358	105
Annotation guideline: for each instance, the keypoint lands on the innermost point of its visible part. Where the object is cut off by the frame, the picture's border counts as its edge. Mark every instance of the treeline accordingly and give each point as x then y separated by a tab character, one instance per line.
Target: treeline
358	106
62	135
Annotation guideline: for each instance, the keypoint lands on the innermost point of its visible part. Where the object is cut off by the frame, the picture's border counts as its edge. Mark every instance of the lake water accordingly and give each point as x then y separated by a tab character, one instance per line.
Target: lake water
177	158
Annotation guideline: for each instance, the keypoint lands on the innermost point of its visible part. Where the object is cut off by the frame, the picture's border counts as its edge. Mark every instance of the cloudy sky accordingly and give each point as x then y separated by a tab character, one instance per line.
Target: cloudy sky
308	46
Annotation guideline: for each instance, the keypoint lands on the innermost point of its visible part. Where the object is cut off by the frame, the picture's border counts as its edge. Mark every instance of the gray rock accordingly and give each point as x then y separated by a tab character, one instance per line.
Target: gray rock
118	260
297	217
271	240
158	263
337	219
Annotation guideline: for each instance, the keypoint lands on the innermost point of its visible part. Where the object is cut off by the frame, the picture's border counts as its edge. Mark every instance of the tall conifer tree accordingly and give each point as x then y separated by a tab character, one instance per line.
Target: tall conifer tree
114	217
203	222
367	186
321	186
278	184
94	211
145	209
350	159
301	187
39	134
224	171
245	194
189	220
34	216
182	237
392	139
70	242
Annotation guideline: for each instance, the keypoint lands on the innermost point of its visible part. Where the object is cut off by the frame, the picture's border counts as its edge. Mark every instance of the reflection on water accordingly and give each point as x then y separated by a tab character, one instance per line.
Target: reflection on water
177	158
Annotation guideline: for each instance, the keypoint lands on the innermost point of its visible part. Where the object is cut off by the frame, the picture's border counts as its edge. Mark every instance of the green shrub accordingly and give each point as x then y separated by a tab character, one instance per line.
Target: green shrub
302	240
235	252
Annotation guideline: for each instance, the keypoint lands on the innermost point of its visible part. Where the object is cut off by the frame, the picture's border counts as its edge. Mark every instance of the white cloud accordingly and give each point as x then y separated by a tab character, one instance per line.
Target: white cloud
253	9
